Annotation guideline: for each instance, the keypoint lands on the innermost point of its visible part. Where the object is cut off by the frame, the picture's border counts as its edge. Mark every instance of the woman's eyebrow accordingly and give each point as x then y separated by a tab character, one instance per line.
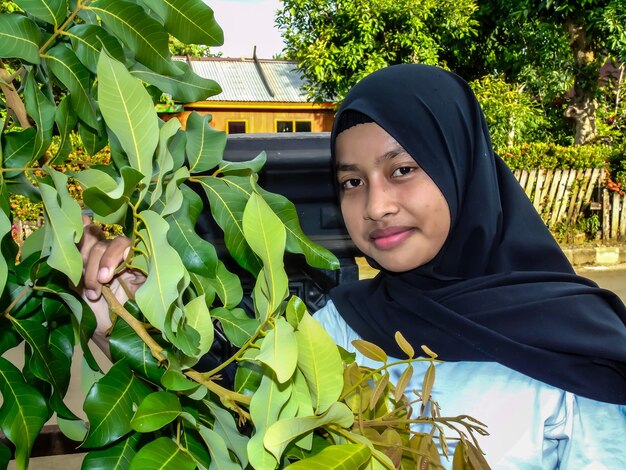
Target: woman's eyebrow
378	161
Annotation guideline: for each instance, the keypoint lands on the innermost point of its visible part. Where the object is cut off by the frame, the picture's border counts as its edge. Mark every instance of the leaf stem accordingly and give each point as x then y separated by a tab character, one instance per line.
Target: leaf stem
20	296
57	31
157	351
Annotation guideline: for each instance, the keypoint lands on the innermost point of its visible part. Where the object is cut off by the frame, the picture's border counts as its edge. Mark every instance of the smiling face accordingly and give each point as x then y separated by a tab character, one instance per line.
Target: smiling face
393	210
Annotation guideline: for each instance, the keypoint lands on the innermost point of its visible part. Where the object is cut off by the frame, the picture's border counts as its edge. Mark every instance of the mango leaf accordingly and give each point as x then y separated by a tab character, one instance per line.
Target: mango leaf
5	455
196	448
116	457
42	111
66	121
227	285
297	241
66	67
302	397
249	374
23	412
74	429
161	454
237	325
337	457
88	40
19	38
370	350
174	379
93	140
165	271
265	408
155	411
109	405
404	345
124	343
63	227
403	382
182	335
466	456
296	309
173	195
427	384
5	227
186	88
19	147
320	362
205	145
50	11
198	255
198	317
190	21
227	206
265	234
129	112
243	168
281	433
226	427
143	35
220	458
164	159
279	350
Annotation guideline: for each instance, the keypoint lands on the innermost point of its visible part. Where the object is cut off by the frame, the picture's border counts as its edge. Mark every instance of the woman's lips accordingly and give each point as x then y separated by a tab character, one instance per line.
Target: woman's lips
388	238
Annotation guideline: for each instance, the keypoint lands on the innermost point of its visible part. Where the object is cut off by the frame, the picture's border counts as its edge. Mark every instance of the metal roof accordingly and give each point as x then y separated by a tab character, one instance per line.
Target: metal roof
250	79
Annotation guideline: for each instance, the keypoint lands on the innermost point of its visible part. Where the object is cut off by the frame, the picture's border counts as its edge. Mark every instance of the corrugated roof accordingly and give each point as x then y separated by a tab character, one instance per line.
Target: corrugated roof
243	79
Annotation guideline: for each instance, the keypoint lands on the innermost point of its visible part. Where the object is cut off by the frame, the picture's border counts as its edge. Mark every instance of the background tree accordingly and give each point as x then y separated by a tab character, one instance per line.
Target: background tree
550	47
337	42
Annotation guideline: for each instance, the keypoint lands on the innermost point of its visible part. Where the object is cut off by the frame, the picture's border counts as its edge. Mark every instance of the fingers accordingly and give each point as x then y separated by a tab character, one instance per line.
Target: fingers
101	258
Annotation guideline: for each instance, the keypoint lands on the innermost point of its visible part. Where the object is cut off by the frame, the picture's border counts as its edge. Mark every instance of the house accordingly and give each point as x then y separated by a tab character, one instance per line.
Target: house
258	95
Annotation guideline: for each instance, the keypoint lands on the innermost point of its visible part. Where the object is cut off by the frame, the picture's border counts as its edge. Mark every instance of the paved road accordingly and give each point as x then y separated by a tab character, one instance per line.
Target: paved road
610	278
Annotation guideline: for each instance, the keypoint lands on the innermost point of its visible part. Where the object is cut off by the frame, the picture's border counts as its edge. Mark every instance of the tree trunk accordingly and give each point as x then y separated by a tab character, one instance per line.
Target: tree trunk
583	107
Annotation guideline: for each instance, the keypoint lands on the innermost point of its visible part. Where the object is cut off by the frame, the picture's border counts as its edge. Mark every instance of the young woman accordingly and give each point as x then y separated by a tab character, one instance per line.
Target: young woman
468	268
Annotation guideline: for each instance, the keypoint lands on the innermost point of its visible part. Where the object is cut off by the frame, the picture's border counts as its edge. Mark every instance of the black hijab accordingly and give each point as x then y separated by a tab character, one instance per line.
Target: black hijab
500	289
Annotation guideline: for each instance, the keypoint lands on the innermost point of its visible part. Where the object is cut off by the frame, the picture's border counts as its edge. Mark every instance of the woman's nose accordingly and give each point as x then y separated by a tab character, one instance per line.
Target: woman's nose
381	201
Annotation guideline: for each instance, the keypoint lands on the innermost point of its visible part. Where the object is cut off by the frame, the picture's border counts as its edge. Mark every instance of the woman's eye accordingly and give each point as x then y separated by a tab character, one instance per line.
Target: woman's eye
404	170
351	183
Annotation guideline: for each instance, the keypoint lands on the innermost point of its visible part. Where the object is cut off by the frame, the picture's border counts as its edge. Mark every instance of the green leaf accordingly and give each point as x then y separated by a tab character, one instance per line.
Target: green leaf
19	147
162	454
19	38
109	405
116	457
126	344
265	234
66	67
164	159
265	408
93	141
198	317
196	448
282	432
165	271
220	458
198	255
88	40
297	242
320	362
337	457
63	227
190	21
237	325
243	168
66	121
225	426
205	145
75	429
279	350
155	411
129	112
42	111
23	412
50	11
227	285
249	373
5	227
5	455
186	88
143	35
296	309
227	206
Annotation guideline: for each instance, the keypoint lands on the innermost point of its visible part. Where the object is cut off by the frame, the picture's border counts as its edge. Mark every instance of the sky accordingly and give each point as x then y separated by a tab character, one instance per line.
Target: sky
247	23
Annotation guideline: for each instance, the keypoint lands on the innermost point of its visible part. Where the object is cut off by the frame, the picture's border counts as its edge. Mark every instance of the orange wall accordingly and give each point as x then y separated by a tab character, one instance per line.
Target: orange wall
263	120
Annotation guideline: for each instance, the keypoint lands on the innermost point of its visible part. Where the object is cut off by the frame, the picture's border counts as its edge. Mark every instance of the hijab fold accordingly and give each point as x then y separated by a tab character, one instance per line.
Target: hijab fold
500	289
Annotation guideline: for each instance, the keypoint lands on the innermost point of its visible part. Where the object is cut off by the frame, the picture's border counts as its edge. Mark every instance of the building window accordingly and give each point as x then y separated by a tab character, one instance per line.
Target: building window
293	126
236	127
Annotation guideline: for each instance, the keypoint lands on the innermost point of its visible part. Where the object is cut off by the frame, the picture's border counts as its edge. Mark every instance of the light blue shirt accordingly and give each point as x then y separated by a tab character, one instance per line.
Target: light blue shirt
531	425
